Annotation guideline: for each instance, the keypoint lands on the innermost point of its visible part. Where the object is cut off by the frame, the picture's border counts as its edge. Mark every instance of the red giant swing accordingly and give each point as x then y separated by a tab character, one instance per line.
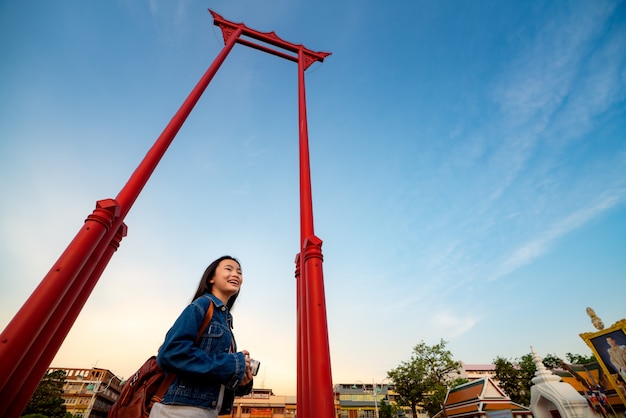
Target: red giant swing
31	340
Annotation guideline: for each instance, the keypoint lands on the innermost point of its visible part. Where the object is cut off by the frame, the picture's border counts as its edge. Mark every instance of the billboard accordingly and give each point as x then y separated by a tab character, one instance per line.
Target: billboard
609	347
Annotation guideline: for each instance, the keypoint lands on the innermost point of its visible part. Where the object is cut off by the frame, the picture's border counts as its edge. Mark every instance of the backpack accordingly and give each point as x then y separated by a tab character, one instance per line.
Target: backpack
147	385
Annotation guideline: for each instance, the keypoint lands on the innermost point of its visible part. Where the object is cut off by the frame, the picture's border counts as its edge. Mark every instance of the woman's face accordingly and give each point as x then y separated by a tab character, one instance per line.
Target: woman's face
227	280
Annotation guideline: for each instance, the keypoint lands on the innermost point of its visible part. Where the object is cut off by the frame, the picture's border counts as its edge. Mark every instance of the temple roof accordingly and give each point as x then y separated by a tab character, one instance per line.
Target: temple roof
478	397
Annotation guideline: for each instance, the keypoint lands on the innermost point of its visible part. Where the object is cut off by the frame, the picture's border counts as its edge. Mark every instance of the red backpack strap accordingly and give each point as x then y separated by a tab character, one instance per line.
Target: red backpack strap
205	323
169	378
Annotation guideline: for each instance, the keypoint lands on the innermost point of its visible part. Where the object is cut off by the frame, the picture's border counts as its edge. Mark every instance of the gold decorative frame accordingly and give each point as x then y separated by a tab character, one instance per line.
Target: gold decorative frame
598	342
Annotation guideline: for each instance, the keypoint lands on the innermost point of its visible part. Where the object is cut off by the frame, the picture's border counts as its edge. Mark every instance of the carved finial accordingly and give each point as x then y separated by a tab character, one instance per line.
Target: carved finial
595	320
538	362
542	375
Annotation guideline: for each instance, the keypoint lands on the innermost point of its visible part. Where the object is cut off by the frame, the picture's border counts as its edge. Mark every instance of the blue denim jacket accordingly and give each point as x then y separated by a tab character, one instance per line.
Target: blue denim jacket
201	369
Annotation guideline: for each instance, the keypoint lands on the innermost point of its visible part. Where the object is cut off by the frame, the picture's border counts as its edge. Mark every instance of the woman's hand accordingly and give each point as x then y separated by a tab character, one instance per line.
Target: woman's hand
247	377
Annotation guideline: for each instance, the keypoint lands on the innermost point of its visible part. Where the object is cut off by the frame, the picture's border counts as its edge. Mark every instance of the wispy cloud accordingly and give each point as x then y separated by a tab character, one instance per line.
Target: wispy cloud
536	91
539	245
550	94
453	324
543	75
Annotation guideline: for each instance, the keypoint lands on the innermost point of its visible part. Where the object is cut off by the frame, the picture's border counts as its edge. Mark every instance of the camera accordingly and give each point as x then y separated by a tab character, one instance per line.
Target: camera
254	366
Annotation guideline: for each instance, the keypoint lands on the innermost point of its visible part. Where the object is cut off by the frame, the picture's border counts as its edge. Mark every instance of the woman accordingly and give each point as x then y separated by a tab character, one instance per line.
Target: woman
210	373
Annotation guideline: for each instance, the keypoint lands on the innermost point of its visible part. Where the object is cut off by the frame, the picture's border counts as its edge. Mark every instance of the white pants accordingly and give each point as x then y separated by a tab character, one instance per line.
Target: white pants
181	411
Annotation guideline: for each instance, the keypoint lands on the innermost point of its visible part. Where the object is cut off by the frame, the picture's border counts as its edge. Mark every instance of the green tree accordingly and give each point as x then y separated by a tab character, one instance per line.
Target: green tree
47	398
515	377
425	378
386	410
580	359
457	382
551	361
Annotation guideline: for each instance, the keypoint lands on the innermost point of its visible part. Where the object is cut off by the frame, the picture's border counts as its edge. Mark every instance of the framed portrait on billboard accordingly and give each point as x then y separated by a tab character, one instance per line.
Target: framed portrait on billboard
609	347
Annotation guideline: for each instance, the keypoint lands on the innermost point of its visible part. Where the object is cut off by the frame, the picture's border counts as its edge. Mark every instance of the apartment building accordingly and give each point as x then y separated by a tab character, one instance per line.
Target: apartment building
477	371
361	400
89	393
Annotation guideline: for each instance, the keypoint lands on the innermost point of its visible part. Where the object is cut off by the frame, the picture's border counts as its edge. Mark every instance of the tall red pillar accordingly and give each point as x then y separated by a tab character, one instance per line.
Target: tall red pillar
318	392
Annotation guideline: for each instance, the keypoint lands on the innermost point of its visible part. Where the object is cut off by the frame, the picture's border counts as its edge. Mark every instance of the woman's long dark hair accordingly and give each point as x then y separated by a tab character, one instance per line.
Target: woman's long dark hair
206	286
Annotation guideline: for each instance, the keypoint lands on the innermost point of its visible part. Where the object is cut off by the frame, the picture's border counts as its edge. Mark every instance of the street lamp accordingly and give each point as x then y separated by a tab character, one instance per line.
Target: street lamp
358	383
375	390
94	387
375	387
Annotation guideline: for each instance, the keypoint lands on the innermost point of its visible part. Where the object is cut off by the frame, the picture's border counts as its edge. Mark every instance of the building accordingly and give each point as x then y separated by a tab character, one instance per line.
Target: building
262	403
473	372
360	400
481	398
89	393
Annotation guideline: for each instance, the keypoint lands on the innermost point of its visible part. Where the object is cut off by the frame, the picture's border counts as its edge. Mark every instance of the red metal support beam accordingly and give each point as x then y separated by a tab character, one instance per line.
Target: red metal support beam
68	312
22	340
37	314
317	394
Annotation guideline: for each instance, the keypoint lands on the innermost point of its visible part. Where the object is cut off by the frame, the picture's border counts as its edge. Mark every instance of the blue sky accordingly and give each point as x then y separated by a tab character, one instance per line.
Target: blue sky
468	169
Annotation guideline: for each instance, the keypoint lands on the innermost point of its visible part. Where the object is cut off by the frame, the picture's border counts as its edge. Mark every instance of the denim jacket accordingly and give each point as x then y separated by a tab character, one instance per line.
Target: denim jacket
209	370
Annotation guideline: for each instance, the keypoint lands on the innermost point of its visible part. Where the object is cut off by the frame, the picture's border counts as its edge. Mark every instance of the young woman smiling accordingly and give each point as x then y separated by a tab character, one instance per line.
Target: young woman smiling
211	372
